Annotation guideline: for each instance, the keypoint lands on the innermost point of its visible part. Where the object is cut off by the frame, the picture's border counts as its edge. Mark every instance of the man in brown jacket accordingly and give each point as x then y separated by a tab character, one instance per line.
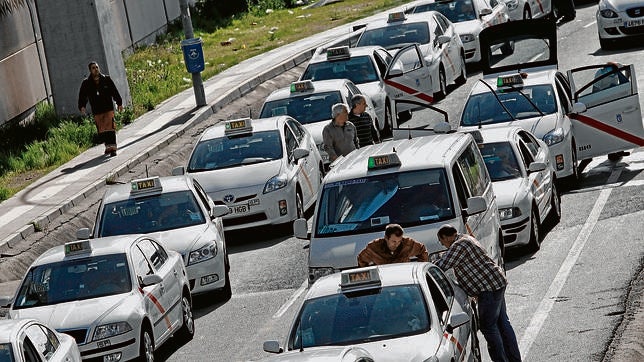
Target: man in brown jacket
393	248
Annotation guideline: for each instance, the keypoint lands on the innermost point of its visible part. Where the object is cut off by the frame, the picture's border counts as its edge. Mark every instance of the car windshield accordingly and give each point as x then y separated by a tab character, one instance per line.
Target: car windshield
75	279
235	151
166	211
358	69
484	108
368	204
500	160
358	317
308	108
6	352
456	11
392	37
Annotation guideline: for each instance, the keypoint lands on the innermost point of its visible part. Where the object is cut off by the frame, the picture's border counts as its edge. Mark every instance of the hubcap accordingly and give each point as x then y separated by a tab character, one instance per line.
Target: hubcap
187	316
149	350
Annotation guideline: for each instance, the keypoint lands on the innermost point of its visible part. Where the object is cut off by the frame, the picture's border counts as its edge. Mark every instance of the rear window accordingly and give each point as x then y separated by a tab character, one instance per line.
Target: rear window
309	108
358	69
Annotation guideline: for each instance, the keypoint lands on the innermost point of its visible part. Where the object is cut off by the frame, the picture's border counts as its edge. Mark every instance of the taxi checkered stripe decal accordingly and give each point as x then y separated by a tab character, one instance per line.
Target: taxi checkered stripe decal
411	91
608	129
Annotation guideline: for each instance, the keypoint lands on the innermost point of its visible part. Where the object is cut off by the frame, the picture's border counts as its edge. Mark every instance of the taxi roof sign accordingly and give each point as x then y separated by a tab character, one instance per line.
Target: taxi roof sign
302	86
78	247
383	161
145	185
509	80
397	16
342	52
236	126
359	278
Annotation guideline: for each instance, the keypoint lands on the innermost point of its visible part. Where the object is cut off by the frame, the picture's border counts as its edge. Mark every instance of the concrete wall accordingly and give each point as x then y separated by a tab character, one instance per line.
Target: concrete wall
35	67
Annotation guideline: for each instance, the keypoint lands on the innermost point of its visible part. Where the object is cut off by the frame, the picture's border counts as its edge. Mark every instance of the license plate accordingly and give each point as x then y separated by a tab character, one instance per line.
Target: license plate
105	343
632	23
239	209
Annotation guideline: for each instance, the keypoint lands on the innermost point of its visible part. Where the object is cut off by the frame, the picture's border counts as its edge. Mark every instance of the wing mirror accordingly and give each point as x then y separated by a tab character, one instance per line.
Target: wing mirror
150	279
219	210
272	347
300	153
178	171
301	229
475	205
536	167
82	234
456	320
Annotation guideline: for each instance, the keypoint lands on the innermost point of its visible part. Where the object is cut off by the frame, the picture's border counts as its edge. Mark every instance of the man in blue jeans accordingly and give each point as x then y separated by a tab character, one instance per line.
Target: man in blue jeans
481	278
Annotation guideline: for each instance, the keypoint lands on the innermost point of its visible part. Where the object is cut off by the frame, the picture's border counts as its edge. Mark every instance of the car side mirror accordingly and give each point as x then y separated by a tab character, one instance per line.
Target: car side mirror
484	12
5	302
150	279
83	233
456	320
272	347
300	153
475	205
578	107
301	229
536	167
443	39
395	73
219	210
178	171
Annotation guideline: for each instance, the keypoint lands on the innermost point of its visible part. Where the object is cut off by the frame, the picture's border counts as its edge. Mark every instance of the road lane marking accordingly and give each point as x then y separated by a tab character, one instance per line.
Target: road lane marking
15	213
280	312
541	314
590	24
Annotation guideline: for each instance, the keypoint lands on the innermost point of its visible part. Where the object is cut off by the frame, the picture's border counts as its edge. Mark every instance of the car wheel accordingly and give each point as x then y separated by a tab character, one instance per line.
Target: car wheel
299	204
463	77
555	206
606	44
507	48
476	349
574	178
187	331
535	239
527	13
227	291
146	346
615	156
442	92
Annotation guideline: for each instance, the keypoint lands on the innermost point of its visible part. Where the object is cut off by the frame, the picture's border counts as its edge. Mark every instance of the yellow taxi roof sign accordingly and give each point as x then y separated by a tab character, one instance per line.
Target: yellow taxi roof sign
302	86
237	126
145	185
78	247
342	52
383	161
360	277
397	16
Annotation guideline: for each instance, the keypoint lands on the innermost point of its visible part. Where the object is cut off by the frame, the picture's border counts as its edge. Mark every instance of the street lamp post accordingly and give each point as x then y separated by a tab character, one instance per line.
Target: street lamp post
197	83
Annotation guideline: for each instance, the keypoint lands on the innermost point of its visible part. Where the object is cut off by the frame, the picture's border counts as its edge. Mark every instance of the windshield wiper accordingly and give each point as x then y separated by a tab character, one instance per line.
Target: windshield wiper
498	100
527	98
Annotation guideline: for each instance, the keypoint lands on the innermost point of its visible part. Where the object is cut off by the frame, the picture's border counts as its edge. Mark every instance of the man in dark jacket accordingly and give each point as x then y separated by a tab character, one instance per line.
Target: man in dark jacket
367	133
393	248
101	92
339	136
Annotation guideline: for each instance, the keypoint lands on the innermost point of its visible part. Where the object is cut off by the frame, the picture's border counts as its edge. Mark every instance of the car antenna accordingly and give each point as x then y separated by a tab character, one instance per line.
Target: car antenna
147	174
394	148
250	112
409	129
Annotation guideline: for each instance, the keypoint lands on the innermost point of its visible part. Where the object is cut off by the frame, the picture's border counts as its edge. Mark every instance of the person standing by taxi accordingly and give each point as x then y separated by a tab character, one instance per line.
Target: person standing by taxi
367	134
101	92
339	136
481	278
393	248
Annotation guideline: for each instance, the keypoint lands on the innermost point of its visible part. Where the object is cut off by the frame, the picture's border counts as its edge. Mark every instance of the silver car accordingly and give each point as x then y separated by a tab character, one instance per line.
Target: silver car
619	19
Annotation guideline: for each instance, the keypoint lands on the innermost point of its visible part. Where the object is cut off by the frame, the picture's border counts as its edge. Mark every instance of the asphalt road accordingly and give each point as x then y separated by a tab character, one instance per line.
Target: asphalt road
566	301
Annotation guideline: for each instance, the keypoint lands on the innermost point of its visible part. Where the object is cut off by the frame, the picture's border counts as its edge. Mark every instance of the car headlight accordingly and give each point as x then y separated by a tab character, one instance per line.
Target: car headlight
512	4
276	183
202	254
110	330
466	38
608	13
509	213
553	137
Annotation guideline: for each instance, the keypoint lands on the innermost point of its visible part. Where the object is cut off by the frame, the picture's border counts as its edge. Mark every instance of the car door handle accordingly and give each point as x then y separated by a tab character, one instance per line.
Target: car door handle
175	272
630	110
161	288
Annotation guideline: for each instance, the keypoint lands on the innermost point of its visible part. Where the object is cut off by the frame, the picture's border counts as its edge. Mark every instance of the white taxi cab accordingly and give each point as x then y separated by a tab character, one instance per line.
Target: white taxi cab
120	297
619	19
576	113
439	44
177	212
310	103
395	312
267	171
29	340
419	183
469	18
529	9
524	183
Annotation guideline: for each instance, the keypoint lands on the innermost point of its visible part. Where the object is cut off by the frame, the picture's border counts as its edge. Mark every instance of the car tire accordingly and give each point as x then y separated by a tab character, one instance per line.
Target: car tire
476	348
606	44
527	13
146	345
616	156
555	206
227	291
535	237
462	78
572	180
442	92
299	204
187	331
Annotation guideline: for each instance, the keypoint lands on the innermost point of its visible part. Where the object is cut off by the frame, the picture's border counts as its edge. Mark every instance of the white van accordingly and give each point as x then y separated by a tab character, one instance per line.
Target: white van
420	183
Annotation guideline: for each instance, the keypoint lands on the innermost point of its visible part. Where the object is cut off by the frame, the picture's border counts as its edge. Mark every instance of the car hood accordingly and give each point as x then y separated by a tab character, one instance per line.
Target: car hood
416	348
315	129
473	27
74	314
182	240
538	126
620	5
238	177
506	191
322	354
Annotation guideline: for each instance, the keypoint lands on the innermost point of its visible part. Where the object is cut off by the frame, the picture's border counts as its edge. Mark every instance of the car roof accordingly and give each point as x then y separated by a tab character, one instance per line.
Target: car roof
409	18
390	275
259	125
535	76
9	328
100	246
320	86
499	134
320	53
121	192
415	154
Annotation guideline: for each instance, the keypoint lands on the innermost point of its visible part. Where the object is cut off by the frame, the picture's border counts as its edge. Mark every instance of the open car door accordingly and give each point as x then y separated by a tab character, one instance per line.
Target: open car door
607	116
408	77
